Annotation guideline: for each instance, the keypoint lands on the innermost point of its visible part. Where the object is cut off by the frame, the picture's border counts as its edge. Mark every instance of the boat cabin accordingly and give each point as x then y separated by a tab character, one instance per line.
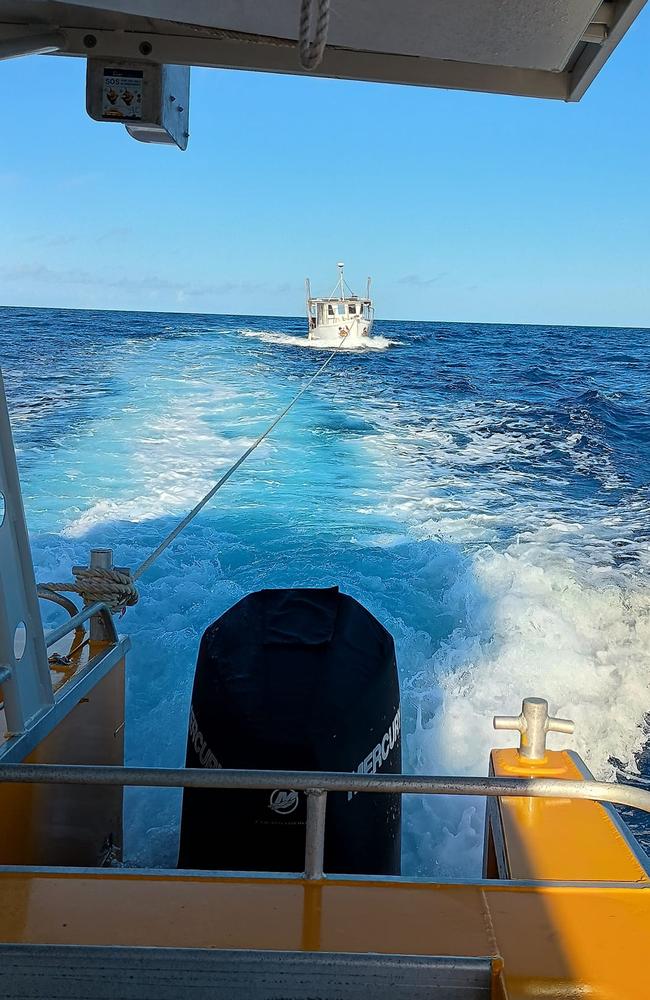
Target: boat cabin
324	311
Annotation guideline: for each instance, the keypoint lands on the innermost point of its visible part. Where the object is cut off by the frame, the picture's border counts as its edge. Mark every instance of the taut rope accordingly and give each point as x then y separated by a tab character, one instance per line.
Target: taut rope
116	587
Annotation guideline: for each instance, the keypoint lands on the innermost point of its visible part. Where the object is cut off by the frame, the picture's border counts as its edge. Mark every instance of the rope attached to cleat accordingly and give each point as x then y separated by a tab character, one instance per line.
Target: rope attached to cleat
115	587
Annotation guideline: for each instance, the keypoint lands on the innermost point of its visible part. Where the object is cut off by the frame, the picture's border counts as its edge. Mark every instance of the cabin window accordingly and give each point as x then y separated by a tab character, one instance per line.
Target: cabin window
353	310
341	310
330	310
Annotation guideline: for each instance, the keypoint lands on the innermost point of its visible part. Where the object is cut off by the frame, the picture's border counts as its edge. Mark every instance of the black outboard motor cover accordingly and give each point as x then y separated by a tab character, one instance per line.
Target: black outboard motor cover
302	680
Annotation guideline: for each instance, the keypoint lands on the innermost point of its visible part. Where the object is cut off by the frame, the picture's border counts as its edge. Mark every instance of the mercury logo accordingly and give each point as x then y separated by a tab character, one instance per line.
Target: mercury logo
379	754
283	802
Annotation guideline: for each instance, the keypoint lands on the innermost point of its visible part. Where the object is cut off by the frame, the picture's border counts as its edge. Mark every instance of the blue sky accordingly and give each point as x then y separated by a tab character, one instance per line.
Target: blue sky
461	206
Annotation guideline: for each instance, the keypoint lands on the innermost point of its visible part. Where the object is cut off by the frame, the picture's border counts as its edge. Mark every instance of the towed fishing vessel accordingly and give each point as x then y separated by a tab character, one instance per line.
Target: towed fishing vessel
288	881
340	316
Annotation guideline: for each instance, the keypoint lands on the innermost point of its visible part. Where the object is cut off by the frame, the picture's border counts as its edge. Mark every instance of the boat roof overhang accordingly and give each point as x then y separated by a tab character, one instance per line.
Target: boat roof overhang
335	298
535	48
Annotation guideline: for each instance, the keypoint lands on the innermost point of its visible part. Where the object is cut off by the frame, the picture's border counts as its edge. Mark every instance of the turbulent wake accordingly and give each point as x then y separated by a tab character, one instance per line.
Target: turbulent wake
489	507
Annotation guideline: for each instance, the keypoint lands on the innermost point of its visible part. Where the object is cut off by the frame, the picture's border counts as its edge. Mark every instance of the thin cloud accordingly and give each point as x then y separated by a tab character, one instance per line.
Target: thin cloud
10	179
74	181
117	233
63	239
41	274
44	275
417	281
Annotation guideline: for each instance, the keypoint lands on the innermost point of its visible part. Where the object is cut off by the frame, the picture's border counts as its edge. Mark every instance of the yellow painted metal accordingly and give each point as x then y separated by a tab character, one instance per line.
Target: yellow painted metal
545	940
560	839
70	825
553	941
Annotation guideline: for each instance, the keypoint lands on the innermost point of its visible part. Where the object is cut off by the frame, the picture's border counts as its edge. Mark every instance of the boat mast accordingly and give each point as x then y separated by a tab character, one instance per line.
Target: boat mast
341	281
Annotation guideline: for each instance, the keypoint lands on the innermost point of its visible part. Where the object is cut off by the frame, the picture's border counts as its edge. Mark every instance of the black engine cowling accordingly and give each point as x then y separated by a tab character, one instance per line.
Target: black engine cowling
302	680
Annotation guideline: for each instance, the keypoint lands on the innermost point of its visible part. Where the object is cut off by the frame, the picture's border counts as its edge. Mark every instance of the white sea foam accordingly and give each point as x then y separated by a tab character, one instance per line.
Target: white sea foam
541	604
374	343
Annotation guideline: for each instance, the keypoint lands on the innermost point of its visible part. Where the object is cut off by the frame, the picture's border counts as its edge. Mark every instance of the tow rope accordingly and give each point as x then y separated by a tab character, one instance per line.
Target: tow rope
116	587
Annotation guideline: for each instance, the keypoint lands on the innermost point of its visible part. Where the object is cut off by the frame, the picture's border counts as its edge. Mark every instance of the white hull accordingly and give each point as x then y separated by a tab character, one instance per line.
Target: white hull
359	330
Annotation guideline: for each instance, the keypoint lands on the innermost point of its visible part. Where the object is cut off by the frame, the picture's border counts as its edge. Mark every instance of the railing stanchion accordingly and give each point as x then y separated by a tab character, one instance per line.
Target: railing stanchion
315	833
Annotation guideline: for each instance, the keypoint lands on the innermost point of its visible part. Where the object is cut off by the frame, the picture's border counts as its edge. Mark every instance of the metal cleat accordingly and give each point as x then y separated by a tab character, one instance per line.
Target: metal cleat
533	723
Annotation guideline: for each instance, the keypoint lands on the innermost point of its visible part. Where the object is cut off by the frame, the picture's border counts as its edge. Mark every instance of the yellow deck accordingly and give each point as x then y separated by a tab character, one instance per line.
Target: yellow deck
561	839
554	941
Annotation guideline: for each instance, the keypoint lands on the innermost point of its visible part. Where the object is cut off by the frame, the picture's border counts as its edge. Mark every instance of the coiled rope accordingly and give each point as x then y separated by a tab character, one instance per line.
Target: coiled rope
116	587
311	49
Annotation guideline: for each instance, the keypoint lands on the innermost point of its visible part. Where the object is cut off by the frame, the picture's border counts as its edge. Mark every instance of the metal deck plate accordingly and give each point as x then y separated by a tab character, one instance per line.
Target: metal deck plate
68	972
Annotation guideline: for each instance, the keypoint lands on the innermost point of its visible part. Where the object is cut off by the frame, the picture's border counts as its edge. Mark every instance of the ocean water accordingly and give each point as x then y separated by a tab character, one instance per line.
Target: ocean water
483	490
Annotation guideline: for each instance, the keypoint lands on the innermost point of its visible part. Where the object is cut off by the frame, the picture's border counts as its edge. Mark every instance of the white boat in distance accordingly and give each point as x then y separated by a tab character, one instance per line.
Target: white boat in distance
342	314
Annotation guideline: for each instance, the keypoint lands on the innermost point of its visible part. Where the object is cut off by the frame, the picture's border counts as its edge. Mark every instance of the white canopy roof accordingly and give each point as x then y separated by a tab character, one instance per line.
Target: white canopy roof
545	48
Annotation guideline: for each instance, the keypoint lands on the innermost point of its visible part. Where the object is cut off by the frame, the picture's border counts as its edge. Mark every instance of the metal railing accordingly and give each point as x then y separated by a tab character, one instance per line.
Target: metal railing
87	612
317	784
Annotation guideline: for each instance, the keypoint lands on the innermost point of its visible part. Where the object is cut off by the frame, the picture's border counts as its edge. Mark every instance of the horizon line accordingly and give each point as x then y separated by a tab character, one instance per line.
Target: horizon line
385	319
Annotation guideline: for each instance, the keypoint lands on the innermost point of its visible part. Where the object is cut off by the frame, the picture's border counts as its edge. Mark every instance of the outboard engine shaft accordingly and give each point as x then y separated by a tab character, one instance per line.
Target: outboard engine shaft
302	680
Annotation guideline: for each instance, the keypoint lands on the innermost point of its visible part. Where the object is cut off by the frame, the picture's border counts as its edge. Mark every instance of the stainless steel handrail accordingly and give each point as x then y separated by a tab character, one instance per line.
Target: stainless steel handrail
75	621
45	594
325	781
317	784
